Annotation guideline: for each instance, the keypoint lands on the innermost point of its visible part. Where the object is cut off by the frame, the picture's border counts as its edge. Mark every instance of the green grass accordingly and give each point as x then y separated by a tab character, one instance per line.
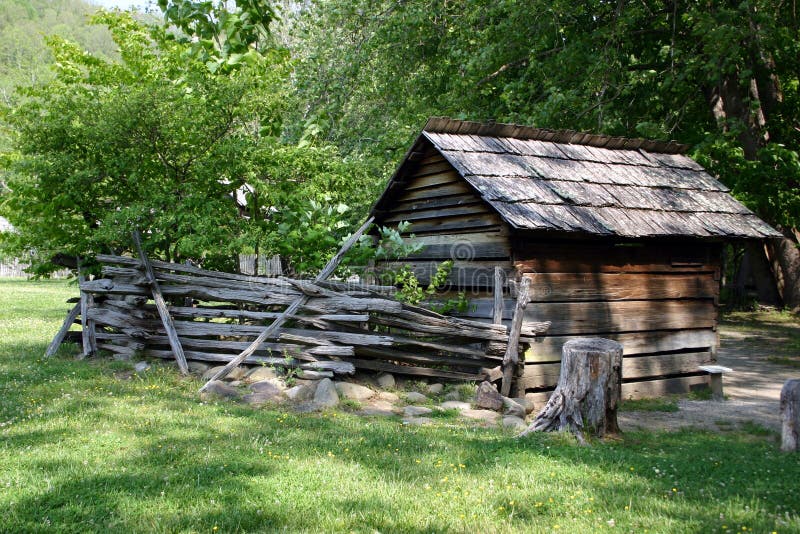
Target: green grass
84	450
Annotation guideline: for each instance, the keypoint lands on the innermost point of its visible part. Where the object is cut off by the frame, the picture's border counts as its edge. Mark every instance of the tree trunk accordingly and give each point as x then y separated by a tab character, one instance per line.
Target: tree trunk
588	391
790	415
786	256
763	275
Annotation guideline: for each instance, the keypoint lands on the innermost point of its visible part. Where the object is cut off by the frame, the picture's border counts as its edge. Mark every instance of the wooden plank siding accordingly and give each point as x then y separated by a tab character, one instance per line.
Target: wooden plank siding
452	222
659	300
643	388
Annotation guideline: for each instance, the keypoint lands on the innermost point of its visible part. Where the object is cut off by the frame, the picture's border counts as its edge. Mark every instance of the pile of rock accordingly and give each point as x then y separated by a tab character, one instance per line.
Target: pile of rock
368	395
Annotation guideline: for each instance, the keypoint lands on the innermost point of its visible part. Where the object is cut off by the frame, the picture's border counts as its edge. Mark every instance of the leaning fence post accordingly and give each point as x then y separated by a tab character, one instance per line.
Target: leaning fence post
161	305
62	332
511	358
88	338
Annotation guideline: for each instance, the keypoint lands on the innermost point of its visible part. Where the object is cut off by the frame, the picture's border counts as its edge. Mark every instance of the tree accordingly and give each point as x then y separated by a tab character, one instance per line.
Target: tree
222	34
720	76
159	142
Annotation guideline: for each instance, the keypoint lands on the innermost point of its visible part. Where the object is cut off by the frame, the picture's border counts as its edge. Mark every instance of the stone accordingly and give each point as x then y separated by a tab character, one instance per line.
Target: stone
386	380
511	421
326	396
314	375
417	421
219	389
259	374
197	368
488	397
366	378
235	383
487	416
260	398
415	396
414	411
436	389
141	367
236	374
457	405
388	396
453	396
352	391
379	407
299	393
240	373
211	371
513	408
267	387
525	403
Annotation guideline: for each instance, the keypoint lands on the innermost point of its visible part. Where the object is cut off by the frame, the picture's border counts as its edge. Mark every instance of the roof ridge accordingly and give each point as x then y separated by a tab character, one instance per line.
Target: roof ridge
516	131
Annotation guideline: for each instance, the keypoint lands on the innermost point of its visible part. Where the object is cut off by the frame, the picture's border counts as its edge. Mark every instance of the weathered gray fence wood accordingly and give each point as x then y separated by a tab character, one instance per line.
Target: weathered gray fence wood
161	305
62	332
293	307
511	358
220	315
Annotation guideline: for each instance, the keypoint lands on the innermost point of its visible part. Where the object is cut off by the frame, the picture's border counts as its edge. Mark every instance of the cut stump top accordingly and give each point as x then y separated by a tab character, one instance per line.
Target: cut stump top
592	344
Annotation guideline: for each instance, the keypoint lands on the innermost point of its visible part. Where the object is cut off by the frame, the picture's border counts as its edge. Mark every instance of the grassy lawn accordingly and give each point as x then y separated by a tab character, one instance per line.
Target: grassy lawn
89	446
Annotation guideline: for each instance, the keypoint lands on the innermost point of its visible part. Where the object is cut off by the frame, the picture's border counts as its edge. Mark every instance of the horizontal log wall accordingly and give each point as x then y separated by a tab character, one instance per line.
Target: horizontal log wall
659	300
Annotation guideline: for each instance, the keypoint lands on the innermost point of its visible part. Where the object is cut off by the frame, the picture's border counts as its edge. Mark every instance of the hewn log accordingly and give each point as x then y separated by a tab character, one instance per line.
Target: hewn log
163	265
548	348
588	390
790	415
147	328
62	332
161	305
575	287
511	358
292	309
295	350
544	375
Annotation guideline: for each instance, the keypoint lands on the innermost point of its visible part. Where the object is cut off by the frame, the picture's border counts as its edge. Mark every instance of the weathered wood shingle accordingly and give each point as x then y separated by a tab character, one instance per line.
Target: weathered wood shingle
582	183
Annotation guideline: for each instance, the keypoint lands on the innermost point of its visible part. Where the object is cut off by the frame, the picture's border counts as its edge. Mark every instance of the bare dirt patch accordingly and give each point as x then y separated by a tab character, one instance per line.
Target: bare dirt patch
763	349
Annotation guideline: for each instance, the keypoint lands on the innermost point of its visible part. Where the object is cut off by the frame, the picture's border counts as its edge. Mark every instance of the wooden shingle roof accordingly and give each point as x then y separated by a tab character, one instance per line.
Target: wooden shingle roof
573	182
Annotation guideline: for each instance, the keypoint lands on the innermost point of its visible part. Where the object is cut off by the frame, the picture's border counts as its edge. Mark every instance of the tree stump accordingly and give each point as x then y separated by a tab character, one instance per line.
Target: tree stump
588	391
790	415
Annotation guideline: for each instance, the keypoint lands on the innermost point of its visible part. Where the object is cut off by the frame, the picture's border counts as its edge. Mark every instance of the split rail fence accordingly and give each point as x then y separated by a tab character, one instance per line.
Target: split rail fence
337	326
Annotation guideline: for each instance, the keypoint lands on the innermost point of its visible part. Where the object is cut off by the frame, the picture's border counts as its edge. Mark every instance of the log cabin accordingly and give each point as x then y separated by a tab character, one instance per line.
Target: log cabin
621	239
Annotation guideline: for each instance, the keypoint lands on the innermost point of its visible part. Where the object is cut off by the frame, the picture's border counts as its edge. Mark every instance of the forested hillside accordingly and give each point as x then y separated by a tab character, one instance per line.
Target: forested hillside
24	25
